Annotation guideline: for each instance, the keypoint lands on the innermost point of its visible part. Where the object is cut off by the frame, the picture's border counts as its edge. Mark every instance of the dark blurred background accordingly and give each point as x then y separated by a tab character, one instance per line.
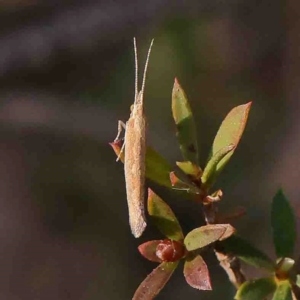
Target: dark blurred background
67	77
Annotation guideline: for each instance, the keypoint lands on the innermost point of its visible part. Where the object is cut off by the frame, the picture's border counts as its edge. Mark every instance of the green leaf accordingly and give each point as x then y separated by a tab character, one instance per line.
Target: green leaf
196	273
256	289
190	169
230	133
163	217
284	226
148	250
210	172
155	281
283	291
205	235
157	168
237	246
184	120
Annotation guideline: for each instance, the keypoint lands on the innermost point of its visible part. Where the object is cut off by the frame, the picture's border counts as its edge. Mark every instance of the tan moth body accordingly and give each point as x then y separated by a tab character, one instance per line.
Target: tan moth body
134	157
134	166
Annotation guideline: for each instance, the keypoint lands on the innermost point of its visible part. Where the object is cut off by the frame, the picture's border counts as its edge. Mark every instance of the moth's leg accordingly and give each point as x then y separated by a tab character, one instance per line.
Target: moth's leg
121	125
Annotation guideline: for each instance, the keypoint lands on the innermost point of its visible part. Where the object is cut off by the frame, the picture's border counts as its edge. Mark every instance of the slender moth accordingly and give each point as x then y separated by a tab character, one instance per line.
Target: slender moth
135	151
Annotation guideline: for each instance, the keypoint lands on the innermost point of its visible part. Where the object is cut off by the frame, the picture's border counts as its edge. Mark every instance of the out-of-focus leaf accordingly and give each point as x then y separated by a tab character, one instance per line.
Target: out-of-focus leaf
148	250
230	132
155	281
157	168
283	291
211	170
164	217
256	289
190	169
284	225
205	235
184	120
248	253
196	273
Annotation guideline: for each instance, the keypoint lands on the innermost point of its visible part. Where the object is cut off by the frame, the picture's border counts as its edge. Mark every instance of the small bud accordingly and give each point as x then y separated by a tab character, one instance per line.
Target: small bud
170	251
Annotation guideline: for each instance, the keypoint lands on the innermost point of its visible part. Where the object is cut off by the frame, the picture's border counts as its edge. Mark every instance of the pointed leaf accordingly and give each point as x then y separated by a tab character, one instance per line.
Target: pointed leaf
283	291
237	246
256	289
155	281
117	145
186	129
205	235
181	185
157	168
148	250
196	273
230	132
211	171
164	217
190	169
284	225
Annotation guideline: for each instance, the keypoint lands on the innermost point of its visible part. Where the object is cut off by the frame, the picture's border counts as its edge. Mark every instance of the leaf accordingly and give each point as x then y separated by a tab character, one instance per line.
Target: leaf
230	133
205	235
184	120
283	291
196	273
190	169
256	289
283	225
155	281
181	185
237	246
210	172
148	250
157	168
164	217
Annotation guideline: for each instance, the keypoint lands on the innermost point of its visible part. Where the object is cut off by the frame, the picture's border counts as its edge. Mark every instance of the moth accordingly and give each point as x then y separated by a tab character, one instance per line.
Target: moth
135	152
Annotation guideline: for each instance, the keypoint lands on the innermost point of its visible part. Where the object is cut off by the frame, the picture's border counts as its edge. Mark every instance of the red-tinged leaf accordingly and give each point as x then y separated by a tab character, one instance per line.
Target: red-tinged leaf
205	235
155	281
186	129
215	197
177	182
256	289
180	185
164	217
196	273
283	291
148	250
230	133
190	169
117	145
157	168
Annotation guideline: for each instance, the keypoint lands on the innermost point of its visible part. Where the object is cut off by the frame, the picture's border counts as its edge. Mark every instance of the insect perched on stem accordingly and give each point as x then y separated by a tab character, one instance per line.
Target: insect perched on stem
135	151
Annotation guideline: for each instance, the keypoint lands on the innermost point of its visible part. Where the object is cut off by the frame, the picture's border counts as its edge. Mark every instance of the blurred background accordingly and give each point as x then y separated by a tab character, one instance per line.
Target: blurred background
67	77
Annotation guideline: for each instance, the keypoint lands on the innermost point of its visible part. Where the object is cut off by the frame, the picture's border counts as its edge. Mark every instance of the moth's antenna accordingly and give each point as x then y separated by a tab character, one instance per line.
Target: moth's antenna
145	70
136	70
